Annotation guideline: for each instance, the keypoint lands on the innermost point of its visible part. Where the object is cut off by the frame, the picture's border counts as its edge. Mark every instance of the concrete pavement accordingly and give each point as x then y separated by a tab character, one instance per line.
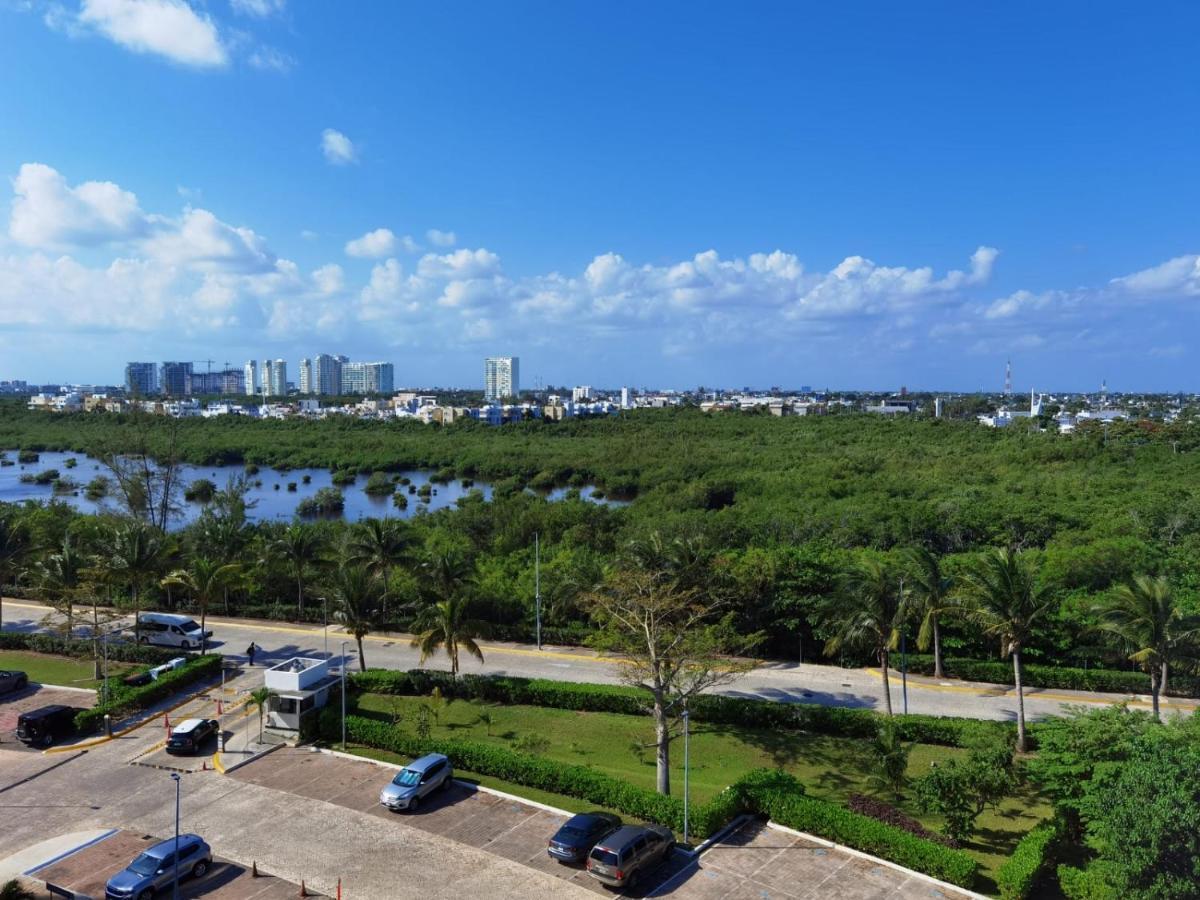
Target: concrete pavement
780	680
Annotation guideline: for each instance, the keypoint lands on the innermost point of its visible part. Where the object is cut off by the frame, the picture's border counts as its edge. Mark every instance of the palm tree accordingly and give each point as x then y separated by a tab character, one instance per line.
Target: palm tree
205	580
380	545
357	595
1147	617
61	576
1004	598
259	699
14	545
221	537
132	558
443	574
929	597
300	547
865	613
445	624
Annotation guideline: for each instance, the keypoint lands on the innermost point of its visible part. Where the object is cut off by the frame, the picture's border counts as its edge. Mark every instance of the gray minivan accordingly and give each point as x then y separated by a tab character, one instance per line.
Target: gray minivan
620	859
417	780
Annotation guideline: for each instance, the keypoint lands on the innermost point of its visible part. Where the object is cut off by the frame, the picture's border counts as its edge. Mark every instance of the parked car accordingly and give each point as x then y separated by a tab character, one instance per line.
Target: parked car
13	681
416	781
153	872
42	727
579	834
190	734
621	858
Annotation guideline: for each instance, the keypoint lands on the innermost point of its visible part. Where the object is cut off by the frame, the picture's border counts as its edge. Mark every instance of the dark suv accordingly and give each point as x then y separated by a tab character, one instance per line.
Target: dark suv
42	727
190	734
620	859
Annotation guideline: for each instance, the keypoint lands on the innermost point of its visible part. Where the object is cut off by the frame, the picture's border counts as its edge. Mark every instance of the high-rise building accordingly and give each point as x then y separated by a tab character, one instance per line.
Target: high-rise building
225	381
175	379
264	377
279	382
581	393
624	398
327	374
141	379
251	377
367	378
501	377
306	377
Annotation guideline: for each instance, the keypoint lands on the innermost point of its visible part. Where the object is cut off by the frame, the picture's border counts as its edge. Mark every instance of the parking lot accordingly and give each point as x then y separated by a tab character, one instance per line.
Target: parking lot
508	828
34	697
85	872
756	863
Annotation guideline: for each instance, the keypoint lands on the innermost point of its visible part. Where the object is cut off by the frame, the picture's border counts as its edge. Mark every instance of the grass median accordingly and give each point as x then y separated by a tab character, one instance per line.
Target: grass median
831	768
63	670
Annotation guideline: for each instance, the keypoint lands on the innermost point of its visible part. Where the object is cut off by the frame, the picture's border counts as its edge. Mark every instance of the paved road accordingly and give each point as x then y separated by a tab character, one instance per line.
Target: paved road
783	681
288	835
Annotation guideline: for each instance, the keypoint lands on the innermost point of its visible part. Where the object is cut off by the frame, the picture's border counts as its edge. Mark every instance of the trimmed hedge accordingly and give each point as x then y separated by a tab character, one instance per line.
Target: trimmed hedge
1112	681
126	700
712	708
776	795
81	648
1031	858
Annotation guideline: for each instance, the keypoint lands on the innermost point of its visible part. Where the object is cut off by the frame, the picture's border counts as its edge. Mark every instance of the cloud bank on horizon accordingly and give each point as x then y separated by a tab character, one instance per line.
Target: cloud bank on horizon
98	262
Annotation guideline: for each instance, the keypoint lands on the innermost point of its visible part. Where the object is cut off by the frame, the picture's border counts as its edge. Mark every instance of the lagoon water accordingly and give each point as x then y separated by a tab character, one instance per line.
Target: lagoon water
271	500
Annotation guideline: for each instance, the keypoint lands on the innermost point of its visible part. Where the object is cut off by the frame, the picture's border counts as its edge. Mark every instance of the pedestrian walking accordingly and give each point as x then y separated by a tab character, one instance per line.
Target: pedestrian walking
250	651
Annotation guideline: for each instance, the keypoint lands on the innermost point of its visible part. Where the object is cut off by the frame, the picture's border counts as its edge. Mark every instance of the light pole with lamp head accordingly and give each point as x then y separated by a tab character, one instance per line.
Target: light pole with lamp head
175	884
343	654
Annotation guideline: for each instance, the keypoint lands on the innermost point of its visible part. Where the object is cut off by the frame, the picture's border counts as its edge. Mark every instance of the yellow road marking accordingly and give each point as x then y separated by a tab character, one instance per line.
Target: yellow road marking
1004	689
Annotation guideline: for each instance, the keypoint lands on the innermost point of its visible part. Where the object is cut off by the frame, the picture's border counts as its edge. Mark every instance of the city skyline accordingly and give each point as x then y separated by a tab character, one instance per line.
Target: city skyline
847	215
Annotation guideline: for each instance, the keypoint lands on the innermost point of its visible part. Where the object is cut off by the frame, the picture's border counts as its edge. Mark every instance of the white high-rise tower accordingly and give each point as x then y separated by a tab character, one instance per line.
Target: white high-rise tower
501	377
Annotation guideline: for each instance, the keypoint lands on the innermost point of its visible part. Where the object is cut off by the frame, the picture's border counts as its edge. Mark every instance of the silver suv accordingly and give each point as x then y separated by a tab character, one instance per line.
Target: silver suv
416	781
620	859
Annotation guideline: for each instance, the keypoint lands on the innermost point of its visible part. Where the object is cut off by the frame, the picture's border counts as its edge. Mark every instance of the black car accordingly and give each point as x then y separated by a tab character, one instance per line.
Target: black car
13	681
579	834
42	727
189	735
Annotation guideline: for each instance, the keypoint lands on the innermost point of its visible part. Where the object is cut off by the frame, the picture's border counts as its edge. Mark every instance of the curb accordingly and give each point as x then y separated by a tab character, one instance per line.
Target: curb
943	885
96	742
225	770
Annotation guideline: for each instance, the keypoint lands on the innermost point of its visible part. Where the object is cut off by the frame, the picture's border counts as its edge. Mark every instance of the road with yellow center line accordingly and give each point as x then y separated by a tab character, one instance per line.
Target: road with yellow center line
782	681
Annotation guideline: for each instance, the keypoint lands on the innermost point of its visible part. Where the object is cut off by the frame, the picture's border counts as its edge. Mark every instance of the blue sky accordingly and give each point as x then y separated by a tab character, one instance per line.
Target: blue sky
672	194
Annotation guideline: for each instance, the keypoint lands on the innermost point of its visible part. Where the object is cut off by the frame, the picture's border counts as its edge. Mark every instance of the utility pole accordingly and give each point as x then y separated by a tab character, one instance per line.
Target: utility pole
537	586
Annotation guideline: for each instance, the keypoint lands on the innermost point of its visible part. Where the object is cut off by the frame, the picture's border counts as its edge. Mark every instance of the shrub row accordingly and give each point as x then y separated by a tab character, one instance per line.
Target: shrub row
776	795
711	708
1029	861
83	648
126	700
1114	681
885	812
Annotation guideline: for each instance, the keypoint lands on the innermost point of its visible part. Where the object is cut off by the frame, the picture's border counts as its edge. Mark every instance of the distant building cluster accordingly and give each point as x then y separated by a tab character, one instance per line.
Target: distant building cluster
322	376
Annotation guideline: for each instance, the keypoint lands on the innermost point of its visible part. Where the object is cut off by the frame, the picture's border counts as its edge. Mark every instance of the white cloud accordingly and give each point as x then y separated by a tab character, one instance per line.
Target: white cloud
167	28
373	245
338	149
201	240
47	212
409	245
329	279
441	238
1179	276
259	9
271	59
460	264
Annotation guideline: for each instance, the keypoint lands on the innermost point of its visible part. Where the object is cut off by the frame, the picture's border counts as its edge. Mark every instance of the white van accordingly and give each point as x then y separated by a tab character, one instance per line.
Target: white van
168	630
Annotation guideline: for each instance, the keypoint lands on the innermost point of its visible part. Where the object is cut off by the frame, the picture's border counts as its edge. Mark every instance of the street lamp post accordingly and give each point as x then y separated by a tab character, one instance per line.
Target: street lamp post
904	668
537	586
175	885
685	774
343	655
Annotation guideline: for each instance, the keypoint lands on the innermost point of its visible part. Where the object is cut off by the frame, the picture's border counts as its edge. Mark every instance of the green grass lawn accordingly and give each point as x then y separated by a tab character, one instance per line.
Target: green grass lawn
830	768
46	669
